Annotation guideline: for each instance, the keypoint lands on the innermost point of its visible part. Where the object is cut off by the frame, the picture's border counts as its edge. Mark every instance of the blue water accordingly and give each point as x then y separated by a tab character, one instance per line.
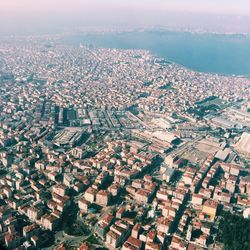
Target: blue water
222	54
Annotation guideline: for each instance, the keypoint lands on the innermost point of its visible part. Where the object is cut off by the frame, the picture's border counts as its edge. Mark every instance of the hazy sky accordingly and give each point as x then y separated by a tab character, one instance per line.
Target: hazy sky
44	15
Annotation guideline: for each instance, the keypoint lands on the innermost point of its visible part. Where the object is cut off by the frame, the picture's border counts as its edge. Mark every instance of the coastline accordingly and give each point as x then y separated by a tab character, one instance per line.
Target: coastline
233	65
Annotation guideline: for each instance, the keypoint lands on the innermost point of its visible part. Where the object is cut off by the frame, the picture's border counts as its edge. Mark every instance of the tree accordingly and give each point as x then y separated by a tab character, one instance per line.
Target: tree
234	232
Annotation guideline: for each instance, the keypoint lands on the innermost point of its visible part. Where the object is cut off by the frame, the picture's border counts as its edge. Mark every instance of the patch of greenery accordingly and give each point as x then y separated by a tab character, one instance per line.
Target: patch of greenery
70	225
147	84
166	86
210	98
76	229
234	232
93	240
201	111
45	196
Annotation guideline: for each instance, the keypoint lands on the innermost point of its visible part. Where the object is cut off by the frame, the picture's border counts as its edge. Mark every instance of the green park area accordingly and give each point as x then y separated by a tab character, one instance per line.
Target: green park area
234	232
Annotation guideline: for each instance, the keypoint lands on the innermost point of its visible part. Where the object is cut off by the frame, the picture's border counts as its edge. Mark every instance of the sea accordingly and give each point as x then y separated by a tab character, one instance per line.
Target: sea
224	54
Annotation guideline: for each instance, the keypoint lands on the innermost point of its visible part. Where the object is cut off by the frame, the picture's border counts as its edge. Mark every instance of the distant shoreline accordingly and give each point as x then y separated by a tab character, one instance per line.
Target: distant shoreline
204	53
232	60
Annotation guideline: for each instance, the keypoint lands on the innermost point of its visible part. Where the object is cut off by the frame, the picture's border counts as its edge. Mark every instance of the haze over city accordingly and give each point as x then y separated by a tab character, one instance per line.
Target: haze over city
41	16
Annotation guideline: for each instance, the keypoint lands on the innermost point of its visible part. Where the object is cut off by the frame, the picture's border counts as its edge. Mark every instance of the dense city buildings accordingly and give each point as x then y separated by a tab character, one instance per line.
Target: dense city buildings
117	149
